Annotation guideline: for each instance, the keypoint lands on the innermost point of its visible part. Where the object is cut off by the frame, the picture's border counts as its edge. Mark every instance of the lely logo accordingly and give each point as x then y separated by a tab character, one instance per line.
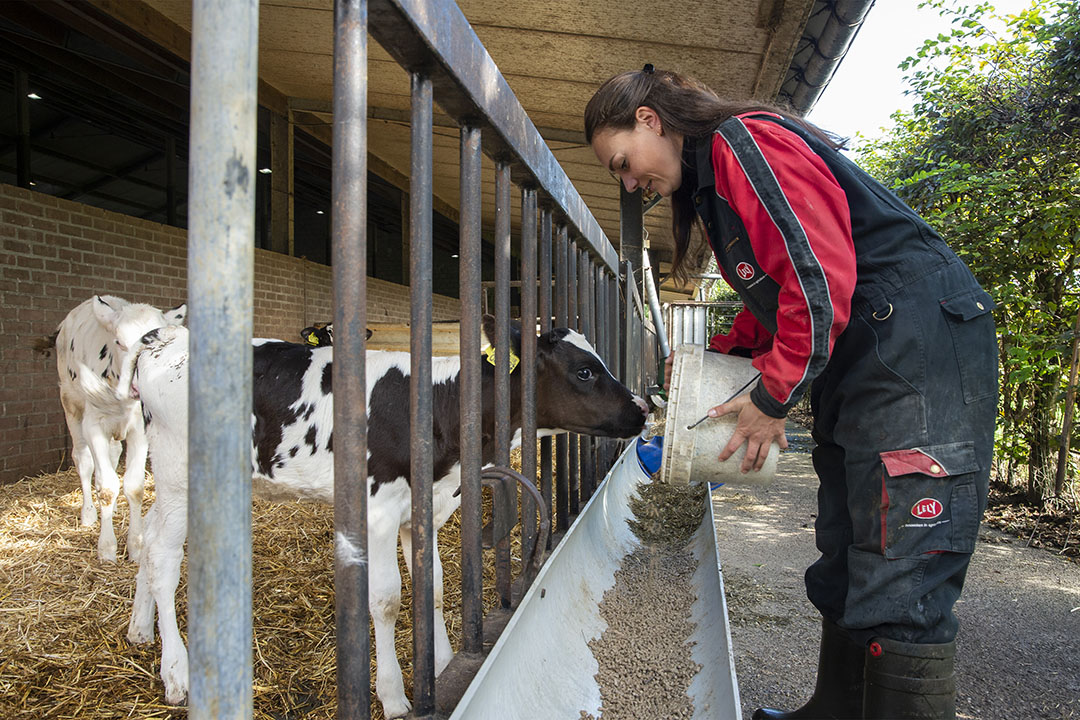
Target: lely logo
927	509
745	270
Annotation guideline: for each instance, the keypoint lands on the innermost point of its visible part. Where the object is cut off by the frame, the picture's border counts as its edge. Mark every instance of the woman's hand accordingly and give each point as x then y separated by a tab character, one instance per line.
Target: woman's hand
668	363
754	428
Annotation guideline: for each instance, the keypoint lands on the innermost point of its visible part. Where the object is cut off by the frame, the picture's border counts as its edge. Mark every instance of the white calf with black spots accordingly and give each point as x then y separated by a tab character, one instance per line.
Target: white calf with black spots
292	457
94	344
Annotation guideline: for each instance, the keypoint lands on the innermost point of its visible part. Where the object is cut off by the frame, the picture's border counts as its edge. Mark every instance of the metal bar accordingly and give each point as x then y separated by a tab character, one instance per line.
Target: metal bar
614	317
562	440
349	249
529	525
654	303
416	31
472	416
631	229
221	244
505	507
420	396
545	326
600	444
587	324
280	196
628	319
574	321
610	323
22	123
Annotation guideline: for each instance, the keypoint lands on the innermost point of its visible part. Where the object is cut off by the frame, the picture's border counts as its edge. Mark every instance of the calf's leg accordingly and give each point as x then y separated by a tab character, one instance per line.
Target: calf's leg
84	464
443	652
161	558
141	625
108	487
384	599
134	482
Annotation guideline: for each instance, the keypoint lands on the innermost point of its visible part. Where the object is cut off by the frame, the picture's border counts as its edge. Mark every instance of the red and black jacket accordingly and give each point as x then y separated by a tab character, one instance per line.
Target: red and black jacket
800	232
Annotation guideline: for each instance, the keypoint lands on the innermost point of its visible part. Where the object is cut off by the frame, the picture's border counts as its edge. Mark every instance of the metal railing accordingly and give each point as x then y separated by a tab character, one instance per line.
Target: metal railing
571	276
697	322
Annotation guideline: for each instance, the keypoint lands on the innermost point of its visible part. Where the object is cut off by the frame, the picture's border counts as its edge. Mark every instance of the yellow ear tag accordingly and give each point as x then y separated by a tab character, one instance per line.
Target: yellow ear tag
313	340
490	354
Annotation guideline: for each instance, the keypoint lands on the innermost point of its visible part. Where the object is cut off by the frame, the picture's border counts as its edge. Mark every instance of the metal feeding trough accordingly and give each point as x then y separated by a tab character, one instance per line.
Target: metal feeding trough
543	665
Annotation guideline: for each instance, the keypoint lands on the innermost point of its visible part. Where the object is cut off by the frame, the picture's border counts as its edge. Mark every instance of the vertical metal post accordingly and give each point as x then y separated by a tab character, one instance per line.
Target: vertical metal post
281	183
653	298
600	445
505	506
631	246
221	251
628	347
545	326
586	326
614	318
574	322
562	440
631	231
605	332
528	367
472	562
22	128
420	396
349	248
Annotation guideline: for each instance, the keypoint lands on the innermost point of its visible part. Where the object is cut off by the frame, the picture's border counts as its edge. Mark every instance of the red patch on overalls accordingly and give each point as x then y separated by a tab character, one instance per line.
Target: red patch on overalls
745	270
927	509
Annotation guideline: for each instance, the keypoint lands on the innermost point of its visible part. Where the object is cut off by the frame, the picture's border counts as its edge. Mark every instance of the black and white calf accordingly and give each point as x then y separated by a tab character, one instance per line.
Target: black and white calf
96	342
292	457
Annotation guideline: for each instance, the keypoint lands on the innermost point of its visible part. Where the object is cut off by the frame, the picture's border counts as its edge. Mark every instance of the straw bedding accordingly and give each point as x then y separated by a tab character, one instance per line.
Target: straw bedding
64	614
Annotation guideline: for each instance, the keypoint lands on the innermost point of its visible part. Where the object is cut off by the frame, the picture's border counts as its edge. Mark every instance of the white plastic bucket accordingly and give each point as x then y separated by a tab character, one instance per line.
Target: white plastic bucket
699	381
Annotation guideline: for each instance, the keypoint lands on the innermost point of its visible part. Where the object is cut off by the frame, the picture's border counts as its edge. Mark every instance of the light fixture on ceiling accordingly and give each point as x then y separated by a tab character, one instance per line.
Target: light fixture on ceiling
33	96
265	171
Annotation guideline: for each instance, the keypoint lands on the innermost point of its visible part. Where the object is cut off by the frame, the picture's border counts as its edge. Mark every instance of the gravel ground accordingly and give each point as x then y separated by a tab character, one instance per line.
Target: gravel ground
1017	655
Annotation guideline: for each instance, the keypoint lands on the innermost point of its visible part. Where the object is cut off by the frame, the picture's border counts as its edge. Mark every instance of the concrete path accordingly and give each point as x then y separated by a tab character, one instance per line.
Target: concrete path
1018	651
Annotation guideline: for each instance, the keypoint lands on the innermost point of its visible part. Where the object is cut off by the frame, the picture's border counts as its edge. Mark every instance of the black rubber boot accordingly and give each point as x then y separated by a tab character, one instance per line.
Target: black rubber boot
906	681
839	691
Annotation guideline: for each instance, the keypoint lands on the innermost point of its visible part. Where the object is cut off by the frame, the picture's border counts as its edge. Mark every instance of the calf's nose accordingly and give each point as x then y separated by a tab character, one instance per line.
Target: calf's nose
642	405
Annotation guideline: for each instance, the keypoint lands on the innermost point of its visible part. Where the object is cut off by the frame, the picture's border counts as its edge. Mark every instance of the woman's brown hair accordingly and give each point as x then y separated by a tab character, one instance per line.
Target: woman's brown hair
685	106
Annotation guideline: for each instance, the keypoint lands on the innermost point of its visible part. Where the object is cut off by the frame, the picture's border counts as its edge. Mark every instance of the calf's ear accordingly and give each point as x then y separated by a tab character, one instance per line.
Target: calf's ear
488	325
551	338
105	313
177	315
515	333
515	337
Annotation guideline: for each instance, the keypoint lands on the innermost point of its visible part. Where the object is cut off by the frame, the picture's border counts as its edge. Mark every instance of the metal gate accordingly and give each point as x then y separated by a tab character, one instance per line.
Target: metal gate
571	276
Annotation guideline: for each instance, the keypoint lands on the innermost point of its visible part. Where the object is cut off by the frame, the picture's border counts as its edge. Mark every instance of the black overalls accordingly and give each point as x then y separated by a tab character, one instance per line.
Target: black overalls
904	407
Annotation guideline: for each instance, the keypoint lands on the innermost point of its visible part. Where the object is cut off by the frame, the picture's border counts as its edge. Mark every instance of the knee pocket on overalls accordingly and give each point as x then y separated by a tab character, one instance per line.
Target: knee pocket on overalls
967	313
929	500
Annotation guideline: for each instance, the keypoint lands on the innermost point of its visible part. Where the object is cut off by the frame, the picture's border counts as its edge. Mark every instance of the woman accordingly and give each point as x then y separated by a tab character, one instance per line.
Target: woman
851	296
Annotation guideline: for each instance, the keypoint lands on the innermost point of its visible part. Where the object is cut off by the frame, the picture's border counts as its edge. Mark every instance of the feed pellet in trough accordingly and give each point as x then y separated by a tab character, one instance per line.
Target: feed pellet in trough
645	653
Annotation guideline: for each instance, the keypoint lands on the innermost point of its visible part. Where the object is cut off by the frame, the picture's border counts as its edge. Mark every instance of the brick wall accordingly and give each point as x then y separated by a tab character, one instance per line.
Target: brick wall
55	253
